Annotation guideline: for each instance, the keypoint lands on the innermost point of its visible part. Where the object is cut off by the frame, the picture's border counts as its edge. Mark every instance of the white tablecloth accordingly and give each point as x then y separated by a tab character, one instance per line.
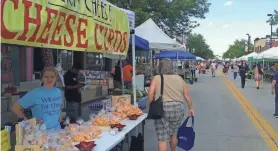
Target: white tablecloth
107	141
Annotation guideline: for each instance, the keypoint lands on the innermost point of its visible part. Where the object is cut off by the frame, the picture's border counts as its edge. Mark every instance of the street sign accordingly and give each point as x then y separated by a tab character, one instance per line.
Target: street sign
267	41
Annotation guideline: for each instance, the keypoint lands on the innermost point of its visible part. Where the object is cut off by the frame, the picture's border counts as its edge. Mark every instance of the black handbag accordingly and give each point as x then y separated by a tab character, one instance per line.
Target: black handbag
156	107
137	143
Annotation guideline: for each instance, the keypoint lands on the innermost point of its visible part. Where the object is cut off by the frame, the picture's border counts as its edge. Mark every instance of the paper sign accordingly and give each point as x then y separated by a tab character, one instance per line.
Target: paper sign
121	99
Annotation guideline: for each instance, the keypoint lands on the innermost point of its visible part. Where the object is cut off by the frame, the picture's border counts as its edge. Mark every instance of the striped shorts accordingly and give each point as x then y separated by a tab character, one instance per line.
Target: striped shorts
171	121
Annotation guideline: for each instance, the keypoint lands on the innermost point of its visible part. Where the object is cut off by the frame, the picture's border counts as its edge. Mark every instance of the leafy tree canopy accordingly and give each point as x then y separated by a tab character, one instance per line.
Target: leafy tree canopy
237	50
274	21
173	16
202	49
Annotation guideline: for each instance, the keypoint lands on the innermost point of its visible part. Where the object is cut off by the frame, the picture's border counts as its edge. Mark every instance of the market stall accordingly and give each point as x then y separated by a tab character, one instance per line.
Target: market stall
178	55
103	130
158	40
71	30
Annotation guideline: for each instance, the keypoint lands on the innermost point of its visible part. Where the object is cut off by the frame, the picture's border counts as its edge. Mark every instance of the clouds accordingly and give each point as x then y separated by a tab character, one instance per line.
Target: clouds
210	24
221	35
225	25
228	3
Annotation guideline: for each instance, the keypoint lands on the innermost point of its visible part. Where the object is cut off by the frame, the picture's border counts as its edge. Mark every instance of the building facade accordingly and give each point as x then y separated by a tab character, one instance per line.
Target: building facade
260	44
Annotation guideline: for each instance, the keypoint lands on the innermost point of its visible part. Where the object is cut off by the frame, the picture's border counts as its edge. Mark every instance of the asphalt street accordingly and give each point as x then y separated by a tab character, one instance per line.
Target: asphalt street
221	124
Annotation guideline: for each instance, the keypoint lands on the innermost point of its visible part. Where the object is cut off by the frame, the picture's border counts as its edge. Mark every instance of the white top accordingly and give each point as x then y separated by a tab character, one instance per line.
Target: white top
213	65
236	68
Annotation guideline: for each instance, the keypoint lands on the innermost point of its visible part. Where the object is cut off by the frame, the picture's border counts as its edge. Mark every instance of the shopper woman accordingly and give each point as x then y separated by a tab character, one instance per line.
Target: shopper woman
45	101
235	70
258	72
175	92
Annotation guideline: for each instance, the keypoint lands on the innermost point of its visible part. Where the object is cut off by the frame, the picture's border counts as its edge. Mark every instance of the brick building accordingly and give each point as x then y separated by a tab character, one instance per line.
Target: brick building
259	44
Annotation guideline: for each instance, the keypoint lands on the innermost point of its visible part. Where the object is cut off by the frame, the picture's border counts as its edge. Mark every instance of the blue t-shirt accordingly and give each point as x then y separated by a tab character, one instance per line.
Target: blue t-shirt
45	105
275	77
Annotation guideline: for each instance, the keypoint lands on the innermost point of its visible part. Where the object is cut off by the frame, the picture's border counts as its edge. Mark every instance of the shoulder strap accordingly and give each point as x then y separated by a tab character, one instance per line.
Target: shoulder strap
161	84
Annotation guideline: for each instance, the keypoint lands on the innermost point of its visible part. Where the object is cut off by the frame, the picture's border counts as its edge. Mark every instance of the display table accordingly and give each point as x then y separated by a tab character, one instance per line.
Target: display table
108	141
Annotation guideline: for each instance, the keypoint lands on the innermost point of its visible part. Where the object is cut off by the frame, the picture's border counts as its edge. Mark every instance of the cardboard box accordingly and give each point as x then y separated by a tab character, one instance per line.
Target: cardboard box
120	98
29	148
19	138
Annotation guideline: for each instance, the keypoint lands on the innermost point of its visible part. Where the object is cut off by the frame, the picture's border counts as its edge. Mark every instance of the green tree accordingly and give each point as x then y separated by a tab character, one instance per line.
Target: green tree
237	49
274	21
172	16
202	49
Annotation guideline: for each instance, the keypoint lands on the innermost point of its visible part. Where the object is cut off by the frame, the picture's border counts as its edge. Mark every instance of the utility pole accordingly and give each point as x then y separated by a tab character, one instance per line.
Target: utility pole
271	24
249	40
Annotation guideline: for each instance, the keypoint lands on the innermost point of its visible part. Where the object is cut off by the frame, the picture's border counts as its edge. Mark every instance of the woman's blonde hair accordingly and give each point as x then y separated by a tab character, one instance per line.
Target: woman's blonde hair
50	69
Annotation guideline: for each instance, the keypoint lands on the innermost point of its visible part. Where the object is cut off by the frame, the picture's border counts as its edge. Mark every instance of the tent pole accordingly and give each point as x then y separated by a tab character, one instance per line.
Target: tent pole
122	76
177	62
134	69
151	62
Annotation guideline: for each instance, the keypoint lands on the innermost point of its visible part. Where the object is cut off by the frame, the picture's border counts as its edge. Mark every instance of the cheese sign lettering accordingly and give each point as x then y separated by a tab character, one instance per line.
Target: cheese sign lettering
92	25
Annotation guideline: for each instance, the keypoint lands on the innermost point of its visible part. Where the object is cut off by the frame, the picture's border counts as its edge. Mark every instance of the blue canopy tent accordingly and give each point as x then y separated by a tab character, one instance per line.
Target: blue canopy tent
140	43
175	55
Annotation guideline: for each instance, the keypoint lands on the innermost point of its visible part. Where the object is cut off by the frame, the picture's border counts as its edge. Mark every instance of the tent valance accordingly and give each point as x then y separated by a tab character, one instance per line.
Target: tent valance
140	43
174	55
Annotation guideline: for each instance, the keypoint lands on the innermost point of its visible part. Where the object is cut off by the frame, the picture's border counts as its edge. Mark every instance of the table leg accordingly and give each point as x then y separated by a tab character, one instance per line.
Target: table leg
143	132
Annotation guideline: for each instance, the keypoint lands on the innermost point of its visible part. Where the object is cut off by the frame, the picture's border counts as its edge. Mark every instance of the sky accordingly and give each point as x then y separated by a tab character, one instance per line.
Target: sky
229	20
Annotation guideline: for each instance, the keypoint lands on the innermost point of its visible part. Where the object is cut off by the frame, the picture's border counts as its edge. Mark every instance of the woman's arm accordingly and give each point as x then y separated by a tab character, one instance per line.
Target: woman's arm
151	91
18	111
25	102
188	99
187	96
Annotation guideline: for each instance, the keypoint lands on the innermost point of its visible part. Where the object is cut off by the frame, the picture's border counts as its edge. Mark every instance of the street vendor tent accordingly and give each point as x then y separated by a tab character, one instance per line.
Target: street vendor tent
157	38
140	43
271	53
199	59
174	55
243	58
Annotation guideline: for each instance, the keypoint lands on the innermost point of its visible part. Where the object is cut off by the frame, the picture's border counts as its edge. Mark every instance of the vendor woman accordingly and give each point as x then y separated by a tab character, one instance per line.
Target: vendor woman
45	101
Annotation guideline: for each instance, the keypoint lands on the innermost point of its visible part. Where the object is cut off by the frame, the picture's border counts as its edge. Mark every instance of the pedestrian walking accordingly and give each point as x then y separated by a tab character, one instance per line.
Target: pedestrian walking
213	68
173	99
274	90
226	67
258	72
192	68
235	70
243	69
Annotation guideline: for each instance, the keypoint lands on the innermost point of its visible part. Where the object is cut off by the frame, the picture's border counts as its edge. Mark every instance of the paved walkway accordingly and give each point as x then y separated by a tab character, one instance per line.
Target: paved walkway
220	122
262	99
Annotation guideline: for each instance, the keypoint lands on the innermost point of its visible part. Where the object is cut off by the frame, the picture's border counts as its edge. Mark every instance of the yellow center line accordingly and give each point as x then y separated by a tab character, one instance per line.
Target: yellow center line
269	135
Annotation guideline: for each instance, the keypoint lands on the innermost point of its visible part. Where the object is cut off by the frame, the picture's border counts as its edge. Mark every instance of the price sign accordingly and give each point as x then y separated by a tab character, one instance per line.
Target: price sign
107	105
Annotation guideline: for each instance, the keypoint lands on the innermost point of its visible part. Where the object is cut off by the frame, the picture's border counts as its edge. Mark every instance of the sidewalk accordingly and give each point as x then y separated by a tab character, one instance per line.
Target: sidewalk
261	99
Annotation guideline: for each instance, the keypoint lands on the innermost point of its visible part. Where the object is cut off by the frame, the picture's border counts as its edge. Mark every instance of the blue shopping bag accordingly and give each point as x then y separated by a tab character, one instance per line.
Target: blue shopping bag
186	135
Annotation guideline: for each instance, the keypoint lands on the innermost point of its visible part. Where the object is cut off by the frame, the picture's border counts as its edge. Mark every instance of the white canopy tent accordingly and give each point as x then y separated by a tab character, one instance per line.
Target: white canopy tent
271	53
243	58
199	59
158	40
